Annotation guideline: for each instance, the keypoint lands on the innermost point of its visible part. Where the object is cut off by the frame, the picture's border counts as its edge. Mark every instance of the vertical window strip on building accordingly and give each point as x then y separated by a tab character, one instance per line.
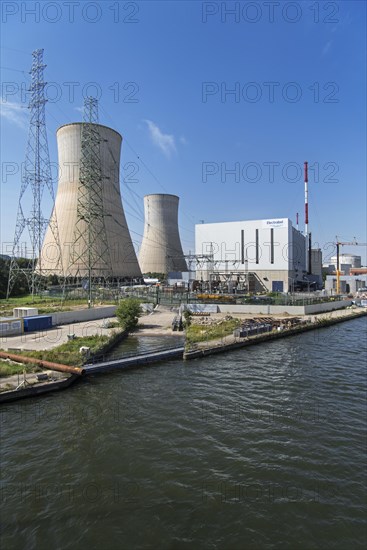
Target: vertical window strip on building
272	245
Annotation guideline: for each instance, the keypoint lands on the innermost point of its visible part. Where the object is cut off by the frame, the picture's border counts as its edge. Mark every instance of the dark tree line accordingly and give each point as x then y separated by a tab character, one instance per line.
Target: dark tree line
20	285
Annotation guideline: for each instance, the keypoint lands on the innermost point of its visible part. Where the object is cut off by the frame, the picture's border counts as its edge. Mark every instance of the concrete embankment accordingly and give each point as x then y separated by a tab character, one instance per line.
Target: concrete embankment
82	315
217	346
269	309
135	361
38	389
201	350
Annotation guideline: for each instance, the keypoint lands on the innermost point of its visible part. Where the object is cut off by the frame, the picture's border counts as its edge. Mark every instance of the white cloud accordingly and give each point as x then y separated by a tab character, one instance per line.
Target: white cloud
183	140
79	109
165	142
15	113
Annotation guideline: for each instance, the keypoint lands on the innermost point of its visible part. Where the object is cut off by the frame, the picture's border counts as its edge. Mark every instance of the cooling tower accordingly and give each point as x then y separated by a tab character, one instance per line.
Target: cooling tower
161	250
115	237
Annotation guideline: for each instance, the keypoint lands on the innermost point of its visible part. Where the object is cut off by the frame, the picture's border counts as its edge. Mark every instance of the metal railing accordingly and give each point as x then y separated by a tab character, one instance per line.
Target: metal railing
101	358
167	297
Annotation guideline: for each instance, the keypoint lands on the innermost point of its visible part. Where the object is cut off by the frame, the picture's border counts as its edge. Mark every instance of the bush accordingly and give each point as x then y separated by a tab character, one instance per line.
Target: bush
187	315
128	313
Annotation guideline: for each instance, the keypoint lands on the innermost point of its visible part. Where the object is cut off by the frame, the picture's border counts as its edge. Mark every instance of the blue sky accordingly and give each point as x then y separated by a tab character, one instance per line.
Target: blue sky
164	72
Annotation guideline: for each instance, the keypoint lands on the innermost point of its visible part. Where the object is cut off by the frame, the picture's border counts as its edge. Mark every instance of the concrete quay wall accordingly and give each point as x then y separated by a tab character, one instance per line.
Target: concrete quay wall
80	315
95	313
217	347
267	309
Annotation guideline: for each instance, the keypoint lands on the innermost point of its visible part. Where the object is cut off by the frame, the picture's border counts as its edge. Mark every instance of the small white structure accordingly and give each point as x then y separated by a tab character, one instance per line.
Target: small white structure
25	311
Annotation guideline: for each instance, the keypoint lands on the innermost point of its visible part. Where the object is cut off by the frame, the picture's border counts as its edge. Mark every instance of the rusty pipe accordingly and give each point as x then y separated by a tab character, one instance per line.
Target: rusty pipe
41	363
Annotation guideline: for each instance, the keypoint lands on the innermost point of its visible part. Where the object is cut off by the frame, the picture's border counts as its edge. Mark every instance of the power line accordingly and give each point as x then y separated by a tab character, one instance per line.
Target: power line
143	163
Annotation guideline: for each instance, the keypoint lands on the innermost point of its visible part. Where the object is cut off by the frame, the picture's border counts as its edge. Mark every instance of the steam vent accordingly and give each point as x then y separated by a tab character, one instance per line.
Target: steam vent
114	240
161	250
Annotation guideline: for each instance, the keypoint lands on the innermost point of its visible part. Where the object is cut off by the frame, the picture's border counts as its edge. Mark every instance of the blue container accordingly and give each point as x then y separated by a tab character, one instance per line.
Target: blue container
39	322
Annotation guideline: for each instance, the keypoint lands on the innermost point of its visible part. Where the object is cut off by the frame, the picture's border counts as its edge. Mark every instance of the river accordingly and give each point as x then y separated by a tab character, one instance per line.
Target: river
261	448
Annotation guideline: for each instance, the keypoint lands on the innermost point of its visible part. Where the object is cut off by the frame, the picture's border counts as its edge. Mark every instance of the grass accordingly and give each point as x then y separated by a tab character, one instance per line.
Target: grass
68	353
200	333
46	304
10	368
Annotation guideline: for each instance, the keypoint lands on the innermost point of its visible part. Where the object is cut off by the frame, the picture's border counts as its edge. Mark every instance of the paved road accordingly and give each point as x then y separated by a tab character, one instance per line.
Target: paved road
48	339
158	323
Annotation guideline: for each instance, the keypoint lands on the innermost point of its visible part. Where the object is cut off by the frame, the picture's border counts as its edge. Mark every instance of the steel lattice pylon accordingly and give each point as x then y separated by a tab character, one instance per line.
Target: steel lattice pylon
90	254
37	176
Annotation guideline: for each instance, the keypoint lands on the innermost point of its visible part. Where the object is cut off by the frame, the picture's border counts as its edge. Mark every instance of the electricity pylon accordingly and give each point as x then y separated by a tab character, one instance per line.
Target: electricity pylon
37	178
90	254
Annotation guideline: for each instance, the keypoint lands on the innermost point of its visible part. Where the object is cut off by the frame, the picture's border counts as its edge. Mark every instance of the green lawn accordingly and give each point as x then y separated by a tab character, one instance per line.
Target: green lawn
7	369
46	304
68	353
199	333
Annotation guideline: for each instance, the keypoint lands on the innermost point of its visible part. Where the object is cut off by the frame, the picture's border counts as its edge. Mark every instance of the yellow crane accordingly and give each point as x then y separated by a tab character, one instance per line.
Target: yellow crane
338	245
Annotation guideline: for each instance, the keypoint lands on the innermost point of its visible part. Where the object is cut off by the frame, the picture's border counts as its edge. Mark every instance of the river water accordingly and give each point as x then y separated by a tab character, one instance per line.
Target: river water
260	448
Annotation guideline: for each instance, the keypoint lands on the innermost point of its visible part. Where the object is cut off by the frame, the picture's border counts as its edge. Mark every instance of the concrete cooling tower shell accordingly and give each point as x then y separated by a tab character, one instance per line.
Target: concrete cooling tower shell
161	250
123	260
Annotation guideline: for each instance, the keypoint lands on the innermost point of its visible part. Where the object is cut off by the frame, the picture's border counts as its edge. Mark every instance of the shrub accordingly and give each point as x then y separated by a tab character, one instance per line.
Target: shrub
187	315
128	313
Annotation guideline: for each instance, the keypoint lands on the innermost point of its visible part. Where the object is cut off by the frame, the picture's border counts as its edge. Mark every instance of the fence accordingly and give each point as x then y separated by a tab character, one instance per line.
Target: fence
102	357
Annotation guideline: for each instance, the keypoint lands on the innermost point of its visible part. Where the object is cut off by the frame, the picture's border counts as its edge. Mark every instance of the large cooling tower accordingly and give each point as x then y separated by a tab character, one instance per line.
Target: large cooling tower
122	261
161	250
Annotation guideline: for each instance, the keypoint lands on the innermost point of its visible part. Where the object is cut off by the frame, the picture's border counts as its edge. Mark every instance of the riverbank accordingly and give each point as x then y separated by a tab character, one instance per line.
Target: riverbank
56	381
160	324
228	343
31	372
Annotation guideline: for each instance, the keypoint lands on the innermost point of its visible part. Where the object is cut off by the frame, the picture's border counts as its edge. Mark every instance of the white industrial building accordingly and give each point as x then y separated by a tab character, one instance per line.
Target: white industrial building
268	255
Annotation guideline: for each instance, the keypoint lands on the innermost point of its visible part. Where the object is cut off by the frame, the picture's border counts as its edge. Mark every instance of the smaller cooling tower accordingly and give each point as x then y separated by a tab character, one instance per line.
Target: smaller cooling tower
161	250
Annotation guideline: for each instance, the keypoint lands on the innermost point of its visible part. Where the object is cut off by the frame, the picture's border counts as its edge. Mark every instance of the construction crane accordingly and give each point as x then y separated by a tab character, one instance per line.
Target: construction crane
338	244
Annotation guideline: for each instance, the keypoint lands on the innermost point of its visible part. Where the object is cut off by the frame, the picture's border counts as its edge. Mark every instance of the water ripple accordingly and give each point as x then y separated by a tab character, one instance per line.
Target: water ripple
260	448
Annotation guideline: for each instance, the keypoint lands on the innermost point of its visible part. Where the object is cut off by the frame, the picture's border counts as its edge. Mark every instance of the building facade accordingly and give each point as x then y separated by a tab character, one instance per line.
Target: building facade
348	283
271	252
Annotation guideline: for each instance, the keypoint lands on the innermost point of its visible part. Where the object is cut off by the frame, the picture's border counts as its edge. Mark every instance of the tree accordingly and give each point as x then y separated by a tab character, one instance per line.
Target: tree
128	313
20	285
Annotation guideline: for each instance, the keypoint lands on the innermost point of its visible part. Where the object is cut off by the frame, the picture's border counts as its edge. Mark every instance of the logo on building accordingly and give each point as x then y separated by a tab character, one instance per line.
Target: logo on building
274	223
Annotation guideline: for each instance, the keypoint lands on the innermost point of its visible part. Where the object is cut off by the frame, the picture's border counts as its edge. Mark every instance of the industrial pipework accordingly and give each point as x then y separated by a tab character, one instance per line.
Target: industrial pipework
40	363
